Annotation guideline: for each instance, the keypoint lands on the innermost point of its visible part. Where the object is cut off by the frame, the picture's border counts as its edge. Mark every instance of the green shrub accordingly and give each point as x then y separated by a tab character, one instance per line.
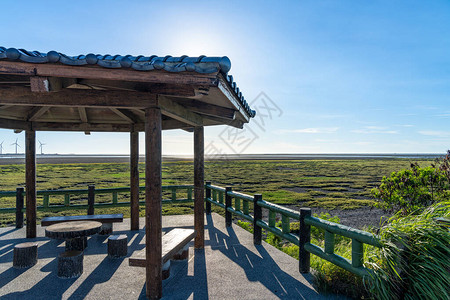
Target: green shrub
246	225
412	190
414	262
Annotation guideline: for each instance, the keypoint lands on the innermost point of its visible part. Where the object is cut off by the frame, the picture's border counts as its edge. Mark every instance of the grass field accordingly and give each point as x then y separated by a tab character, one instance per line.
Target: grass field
327	184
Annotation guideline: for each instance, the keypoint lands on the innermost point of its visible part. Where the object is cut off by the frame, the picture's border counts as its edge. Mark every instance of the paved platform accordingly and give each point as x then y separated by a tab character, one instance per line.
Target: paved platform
230	267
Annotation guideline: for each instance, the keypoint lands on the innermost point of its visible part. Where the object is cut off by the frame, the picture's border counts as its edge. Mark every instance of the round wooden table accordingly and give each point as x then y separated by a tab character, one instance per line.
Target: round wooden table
75	233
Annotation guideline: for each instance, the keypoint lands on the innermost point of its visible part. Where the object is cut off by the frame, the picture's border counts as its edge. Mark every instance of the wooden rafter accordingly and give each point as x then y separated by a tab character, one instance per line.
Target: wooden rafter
36	112
83	114
178	112
121	114
209	109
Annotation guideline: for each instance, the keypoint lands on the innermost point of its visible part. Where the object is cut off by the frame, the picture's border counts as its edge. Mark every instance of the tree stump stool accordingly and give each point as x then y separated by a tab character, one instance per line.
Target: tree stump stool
166	270
182	254
25	255
117	246
70	264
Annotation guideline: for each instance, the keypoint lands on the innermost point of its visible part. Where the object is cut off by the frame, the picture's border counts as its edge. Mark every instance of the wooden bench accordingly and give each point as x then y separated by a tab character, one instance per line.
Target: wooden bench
106	220
173	244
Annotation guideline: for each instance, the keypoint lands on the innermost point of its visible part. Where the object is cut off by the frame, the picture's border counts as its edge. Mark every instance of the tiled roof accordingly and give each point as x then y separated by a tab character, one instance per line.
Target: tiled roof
201	64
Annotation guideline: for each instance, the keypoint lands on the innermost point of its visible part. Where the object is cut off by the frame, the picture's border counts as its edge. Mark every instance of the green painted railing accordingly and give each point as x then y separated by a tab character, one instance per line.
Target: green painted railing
112	202
238	204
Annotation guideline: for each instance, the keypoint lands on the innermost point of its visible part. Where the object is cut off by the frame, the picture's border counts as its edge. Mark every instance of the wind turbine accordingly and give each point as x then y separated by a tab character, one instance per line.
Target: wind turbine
1	147
17	145
40	145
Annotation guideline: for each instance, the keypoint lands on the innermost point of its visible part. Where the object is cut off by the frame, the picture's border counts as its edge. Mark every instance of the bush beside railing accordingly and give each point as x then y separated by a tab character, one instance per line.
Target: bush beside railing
223	197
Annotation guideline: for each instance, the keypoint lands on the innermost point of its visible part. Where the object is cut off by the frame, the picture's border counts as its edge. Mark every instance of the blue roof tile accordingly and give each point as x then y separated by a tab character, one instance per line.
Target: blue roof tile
202	64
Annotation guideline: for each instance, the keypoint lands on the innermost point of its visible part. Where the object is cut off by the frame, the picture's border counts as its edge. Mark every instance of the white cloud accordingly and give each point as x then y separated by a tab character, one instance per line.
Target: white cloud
313	130
444	115
374	129
435	133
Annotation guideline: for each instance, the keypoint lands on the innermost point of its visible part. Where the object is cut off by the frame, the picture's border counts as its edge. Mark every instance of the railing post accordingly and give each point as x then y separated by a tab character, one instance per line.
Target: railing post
304	238
66	200
357	253
329	242
174	194
19	207
114	197
228	218
208	195
257	215
91	199
189	194
45	201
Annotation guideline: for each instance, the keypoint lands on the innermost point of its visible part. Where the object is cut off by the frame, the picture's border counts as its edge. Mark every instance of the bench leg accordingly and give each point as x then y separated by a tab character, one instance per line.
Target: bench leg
78	244
166	270
106	229
182	254
70	264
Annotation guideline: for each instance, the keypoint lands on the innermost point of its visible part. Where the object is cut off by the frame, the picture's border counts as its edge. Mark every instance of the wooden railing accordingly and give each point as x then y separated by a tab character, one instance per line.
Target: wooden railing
89	195
238	204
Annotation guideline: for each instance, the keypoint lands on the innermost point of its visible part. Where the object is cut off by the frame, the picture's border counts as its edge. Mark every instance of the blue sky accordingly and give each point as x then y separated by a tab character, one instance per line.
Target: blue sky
346	76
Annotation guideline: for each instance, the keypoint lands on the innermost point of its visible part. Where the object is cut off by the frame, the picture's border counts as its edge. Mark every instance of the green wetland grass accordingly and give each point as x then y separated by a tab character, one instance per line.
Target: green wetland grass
329	184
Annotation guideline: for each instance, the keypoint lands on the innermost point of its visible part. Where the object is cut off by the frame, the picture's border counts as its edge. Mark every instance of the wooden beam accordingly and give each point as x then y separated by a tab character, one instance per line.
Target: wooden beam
87	127
153	202
199	199
97	72
177	90
178	112
36	112
5	106
208	109
235	123
30	182
73	97
14	124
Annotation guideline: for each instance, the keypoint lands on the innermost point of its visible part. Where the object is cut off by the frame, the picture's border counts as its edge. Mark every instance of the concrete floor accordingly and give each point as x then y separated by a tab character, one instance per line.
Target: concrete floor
230	267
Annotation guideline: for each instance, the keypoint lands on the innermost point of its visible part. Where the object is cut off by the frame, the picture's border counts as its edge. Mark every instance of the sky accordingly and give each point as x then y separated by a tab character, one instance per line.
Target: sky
323	76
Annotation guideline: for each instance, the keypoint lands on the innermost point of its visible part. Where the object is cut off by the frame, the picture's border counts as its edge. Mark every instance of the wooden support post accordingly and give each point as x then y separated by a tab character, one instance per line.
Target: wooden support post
91	199
304	238
208	195
257	215
228	217
30	182
199	187
153	198
134	179
19	207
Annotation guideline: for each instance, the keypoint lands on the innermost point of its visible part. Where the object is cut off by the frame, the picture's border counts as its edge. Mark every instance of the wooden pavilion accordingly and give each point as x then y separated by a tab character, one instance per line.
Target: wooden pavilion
55	92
